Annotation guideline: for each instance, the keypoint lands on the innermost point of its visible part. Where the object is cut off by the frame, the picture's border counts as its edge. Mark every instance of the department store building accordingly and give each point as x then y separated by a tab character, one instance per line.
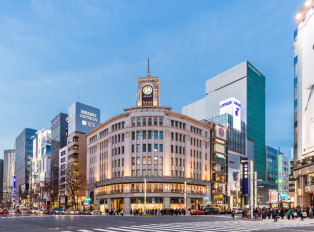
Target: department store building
151	143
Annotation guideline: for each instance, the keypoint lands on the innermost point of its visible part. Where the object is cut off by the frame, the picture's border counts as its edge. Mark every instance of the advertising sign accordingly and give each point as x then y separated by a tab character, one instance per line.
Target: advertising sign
307	86
229	190
223	188
221	132
234	178
284	194
82	118
220	148
232	106
206	198
246	178
87	199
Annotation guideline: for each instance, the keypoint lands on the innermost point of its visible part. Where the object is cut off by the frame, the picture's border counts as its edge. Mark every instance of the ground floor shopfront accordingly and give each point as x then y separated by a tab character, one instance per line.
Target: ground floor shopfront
136	203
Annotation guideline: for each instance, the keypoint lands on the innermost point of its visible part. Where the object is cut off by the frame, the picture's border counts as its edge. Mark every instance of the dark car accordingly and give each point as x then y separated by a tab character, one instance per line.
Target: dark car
56	211
228	211
84	212
47	211
223	211
210	211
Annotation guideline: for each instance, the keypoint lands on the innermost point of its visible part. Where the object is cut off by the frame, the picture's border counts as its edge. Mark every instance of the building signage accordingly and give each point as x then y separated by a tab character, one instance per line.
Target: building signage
87	199
306	86
153	200
284	194
55	122
220	148
223	188
221	132
232	106
229	190
245	177
206	198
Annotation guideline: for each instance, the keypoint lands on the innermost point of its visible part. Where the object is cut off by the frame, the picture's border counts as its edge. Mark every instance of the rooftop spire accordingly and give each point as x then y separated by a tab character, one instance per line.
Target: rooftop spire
148	74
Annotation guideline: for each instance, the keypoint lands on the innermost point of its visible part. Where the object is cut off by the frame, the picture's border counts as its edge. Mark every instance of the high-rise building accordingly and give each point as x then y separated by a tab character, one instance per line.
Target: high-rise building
82	119
8	177
41	163
59	129
283	170
239	91
304	104
23	156
1	184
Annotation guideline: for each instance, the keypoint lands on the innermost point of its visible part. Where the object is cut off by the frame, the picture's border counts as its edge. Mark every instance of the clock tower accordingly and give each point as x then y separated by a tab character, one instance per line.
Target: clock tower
147	91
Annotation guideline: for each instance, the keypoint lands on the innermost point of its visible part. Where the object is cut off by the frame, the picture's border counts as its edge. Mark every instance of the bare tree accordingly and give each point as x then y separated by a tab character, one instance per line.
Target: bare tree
50	187
74	182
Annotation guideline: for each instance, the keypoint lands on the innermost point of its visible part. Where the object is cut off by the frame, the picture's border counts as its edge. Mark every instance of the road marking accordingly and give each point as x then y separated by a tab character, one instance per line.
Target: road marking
103	230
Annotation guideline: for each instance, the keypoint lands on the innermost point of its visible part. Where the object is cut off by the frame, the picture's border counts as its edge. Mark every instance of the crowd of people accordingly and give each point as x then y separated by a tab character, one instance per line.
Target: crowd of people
275	213
158	212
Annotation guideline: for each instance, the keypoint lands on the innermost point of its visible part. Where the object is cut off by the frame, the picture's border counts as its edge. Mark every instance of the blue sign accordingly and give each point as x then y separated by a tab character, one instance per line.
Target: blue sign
284	194
245	177
153	199
206	198
87	199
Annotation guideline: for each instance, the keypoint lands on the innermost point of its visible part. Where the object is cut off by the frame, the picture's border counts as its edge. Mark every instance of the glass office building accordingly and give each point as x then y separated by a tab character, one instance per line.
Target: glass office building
271	167
1	183
59	127
23	155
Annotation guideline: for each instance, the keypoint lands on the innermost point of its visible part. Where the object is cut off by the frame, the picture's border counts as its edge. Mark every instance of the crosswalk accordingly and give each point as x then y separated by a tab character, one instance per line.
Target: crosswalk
234	226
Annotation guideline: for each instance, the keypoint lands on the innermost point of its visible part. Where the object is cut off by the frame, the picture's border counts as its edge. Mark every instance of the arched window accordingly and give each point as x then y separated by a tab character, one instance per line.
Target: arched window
144	121
139	122
149	121
133	122
155	121
160	121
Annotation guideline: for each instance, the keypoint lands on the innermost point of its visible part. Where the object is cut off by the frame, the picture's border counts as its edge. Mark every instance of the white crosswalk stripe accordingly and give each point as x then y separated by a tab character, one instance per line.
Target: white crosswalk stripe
234	226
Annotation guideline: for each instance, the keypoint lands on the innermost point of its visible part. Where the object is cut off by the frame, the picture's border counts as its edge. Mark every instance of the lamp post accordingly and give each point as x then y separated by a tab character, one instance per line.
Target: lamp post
185	195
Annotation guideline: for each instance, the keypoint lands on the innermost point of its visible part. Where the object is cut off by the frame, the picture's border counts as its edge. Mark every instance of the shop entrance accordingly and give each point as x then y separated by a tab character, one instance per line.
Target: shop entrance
117	204
196	204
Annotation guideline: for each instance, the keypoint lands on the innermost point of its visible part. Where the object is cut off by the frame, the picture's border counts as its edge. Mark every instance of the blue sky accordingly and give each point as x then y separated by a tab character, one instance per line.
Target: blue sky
51	52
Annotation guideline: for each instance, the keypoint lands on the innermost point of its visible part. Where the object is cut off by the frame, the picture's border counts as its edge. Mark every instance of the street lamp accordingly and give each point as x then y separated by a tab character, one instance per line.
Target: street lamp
144	195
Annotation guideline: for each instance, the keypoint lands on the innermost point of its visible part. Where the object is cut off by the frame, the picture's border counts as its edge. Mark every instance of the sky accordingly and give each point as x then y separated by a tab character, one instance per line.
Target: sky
53	53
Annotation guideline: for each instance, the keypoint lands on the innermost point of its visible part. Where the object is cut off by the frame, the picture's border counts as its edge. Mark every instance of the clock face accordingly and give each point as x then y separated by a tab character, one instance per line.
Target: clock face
147	90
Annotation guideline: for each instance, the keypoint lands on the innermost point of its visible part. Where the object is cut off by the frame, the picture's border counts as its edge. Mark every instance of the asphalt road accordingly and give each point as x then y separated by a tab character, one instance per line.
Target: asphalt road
88	223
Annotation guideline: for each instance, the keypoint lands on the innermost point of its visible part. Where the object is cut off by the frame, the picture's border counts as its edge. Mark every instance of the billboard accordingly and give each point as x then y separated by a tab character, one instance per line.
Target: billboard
232	106
234	178
82	118
307	86
221	132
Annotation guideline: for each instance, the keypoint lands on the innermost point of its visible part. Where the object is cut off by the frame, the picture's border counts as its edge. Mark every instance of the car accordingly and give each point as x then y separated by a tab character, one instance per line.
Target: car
84	212
211	211
197	212
96	212
5	211
23	211
56	211
71	212
223	211
33	210
40	211
228	211
47	211
239	210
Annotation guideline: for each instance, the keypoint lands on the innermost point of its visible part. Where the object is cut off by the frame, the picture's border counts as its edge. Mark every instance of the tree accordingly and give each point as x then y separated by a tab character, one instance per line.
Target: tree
50	187
74	182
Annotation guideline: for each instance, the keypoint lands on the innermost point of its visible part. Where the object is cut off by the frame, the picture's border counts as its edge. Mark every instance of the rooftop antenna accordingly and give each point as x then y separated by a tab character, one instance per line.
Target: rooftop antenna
148	74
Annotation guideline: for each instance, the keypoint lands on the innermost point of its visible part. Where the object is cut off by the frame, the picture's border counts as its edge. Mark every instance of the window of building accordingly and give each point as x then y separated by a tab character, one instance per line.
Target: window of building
138	147
160	160
144	172
133	148
138	135
155	121
183	151
144	147
155	134
160	122
144	121
144	160
149	135
160	148
155	147
122	162
133	160
155	160
160	135
149	160
149	121
171	161
171	148
172	123
176	136
133	135
149	148
138	161
63	160
139	122
144	134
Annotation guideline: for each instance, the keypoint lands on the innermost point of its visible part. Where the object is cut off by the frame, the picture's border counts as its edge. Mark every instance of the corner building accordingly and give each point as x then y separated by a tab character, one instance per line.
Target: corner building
148	142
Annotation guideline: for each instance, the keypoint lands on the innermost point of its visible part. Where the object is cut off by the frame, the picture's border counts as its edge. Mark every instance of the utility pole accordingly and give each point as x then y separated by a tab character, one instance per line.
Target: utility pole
144	195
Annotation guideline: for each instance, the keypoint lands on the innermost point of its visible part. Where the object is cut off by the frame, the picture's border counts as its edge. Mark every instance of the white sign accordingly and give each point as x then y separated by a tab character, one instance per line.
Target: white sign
88	115
232	106
307	86
221	132
234	177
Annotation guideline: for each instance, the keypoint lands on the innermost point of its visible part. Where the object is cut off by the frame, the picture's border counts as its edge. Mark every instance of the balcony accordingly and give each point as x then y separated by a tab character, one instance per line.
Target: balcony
135	190
158	190
177	190
116	191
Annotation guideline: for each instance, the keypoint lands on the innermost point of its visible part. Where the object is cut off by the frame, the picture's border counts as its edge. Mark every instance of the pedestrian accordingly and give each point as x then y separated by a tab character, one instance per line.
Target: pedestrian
259	212
232	213
275	214
282	213
288	214
263	213
311	212
121	212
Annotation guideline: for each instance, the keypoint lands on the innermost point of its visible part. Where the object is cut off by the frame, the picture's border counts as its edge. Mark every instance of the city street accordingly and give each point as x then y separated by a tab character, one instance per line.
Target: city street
148	223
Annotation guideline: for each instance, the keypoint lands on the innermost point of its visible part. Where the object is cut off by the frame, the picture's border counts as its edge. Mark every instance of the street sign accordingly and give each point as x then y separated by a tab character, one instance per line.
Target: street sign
153	200
87	199
208	202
